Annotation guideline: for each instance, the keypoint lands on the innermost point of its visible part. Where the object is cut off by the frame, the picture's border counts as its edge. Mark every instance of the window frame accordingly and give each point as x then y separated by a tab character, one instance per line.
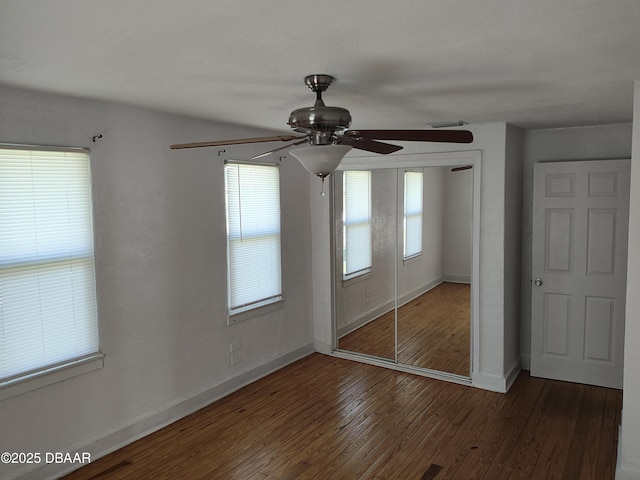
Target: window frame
53	372
256	306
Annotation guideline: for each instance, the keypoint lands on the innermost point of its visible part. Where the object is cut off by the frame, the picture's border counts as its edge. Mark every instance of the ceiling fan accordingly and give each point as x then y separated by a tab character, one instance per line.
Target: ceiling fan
326	126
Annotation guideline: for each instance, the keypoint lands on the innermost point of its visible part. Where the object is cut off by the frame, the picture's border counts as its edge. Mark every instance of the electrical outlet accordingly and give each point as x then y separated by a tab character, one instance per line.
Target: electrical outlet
234	347
235	358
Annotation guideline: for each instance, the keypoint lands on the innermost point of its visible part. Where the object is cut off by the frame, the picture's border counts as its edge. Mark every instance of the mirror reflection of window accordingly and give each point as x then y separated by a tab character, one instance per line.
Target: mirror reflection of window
412	214
356	223
413	306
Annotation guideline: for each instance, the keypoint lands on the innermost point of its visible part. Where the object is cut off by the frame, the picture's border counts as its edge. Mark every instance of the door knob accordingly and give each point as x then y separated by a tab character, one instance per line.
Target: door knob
538	282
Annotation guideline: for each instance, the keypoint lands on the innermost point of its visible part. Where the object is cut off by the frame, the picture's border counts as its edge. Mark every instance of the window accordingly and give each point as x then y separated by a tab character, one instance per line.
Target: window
48	314
357	223
253	236
412	214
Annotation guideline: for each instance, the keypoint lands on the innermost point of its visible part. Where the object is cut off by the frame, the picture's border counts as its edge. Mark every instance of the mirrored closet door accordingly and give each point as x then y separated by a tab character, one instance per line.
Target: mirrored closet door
403	265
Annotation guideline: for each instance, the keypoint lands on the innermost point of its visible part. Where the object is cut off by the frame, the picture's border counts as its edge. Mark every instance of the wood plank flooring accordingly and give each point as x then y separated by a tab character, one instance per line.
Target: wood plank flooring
434	331
329	418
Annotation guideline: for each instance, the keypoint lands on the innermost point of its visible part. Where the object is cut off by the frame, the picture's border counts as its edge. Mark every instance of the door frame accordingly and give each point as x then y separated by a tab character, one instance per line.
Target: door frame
420	160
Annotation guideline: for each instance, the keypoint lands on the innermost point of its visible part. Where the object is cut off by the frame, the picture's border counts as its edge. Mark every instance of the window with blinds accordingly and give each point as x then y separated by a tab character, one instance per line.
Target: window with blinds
48	314
412	214
253	236
356	223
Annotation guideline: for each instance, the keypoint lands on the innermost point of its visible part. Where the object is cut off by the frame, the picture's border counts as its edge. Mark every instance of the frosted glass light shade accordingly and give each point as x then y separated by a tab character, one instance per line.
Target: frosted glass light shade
320	160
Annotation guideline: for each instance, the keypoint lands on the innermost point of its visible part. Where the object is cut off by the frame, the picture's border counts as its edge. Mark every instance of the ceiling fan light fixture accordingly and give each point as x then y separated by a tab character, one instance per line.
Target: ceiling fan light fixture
320	160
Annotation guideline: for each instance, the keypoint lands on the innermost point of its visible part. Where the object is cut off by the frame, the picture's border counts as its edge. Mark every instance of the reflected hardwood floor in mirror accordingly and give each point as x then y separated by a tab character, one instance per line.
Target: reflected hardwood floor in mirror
326	418
434	331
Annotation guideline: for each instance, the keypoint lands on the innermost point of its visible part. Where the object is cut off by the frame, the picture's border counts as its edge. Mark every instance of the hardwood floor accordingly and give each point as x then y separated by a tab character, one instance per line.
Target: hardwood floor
328	418
434	331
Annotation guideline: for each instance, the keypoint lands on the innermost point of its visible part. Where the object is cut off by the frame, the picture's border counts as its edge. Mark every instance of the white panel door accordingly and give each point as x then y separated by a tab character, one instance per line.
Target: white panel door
580	224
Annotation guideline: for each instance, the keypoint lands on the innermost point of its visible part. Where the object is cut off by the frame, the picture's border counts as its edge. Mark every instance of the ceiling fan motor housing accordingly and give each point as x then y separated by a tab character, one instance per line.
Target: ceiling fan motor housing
320	119
323	124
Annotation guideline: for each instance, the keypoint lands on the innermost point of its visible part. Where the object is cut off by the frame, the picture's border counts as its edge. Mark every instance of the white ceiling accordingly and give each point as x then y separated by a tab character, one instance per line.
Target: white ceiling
398	63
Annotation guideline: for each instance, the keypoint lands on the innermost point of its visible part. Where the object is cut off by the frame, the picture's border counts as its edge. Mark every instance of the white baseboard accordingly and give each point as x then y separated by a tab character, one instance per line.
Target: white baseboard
512	373
625	470
142	427
497	383
623	474
458	279
525	362
323	347
485	381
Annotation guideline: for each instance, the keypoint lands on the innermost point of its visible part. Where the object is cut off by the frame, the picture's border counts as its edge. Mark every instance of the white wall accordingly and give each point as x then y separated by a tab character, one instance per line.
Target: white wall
629	451
161	277
512	245
457	231
580	143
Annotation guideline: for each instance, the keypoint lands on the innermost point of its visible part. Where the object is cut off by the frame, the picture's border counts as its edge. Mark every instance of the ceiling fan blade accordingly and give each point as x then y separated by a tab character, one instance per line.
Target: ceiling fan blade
220	143
278	149
370	145
450	136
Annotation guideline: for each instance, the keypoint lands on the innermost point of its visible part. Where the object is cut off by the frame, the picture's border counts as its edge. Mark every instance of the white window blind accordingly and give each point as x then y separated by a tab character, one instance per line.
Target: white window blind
253	235
357	223
412	214
48	314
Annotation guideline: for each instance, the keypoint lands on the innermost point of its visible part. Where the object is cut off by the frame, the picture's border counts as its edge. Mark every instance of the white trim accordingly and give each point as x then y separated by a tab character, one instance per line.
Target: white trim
322	347
57	148
48	376
380	362
411	160
486	381
625	470
255	311
458	279
475	262
525	362
624	474
146	425
512	374
497	383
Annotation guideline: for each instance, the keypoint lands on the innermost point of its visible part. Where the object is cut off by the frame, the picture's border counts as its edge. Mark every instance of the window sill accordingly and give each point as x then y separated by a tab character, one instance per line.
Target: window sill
255	312
412	259
356	279
27	383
